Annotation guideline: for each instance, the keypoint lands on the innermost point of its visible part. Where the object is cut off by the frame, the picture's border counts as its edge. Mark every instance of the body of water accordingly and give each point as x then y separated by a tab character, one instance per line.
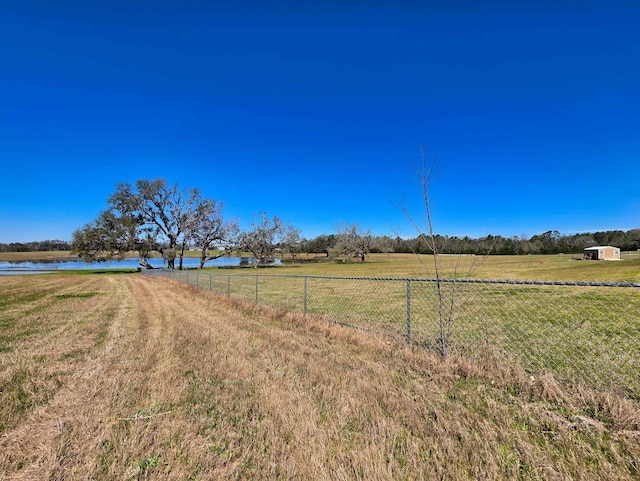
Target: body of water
37	267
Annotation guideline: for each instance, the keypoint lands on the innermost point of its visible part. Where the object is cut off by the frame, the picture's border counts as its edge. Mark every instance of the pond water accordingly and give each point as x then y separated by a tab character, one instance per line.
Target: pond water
39	267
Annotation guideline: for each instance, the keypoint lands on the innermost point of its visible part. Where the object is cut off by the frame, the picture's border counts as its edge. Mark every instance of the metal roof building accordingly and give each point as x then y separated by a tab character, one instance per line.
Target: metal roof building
603	253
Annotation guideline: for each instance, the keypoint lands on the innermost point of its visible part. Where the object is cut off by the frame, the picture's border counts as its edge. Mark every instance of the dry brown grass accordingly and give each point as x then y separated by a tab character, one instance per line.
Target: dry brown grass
133	377
34	256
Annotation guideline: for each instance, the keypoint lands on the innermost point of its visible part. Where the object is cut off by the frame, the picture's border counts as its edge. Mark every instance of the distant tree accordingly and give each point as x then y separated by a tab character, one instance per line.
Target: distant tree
321	244
110	236
488	244
52	245
20	247
401	245
634	240
45	245
291	242
208	229
352	242
265	237
508	247
546	243
616	238
382	245
421	244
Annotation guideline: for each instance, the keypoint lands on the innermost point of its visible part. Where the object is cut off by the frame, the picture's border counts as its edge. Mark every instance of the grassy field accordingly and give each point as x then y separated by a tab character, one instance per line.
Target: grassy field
34	256
134	377
549	267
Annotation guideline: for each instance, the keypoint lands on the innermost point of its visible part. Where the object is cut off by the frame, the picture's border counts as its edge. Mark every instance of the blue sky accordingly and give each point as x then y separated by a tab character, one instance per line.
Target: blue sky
315	111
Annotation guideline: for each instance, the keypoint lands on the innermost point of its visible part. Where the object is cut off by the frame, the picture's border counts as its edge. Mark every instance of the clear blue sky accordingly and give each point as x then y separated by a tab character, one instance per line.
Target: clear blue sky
315	113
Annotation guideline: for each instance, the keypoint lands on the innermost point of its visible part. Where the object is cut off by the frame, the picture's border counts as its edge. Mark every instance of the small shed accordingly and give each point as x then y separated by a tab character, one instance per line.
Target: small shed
603	253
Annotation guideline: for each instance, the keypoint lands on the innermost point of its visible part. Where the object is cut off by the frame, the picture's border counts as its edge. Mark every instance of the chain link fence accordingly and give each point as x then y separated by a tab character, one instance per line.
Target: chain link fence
579	331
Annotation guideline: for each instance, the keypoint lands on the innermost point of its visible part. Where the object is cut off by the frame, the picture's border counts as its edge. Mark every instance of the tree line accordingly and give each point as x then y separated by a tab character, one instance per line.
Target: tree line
550	242
36	246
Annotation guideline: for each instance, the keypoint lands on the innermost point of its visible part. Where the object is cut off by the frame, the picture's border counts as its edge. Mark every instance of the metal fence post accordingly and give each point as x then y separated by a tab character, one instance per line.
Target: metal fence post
257	277
408	311
305	295
229	286
210	282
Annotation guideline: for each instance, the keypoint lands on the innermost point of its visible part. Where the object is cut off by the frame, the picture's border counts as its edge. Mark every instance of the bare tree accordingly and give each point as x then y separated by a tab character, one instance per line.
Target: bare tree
425	176
291	242
352	242
208	229
265	237
425	173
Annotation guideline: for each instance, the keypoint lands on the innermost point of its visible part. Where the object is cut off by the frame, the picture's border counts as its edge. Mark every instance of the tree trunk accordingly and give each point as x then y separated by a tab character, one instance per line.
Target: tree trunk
181	256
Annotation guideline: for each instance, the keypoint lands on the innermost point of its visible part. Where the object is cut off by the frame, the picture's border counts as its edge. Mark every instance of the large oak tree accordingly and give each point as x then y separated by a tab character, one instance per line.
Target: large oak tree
151	214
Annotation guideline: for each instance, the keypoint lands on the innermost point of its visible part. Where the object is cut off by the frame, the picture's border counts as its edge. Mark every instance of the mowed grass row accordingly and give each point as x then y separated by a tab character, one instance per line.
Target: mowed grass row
579	333
47	323
136	377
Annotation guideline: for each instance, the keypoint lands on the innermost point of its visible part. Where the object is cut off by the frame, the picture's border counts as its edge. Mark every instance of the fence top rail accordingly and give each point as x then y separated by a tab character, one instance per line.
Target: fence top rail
435	280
